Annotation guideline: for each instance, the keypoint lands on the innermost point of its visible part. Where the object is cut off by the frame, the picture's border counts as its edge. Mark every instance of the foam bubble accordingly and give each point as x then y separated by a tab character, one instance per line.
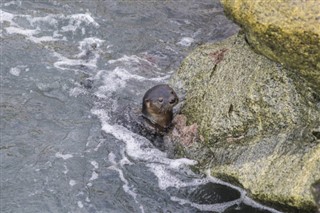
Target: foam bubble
72	182
94	176
15	71
63	156
94	164
66	170
186	41
80	204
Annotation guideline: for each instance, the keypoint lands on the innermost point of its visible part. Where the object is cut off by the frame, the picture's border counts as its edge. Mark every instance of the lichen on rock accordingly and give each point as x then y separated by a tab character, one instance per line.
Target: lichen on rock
285	31
258	119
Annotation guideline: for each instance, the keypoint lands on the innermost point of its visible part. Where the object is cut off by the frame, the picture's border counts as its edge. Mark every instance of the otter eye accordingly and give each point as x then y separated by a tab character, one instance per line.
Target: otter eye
160	99
172	93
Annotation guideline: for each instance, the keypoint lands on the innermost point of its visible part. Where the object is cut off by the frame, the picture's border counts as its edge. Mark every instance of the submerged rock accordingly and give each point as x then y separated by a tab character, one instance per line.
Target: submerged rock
258	119
284	31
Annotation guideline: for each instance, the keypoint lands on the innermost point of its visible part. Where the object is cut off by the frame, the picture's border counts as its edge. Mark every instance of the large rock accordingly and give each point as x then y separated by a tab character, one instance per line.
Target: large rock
260	123
285	31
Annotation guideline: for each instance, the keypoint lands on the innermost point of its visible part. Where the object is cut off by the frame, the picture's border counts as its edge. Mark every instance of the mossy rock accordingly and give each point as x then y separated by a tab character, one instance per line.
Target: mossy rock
259	120
285	31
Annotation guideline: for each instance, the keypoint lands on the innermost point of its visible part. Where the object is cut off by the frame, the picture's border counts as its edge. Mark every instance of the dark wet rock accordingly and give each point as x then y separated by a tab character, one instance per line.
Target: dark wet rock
315	190
207	193
259	121
316	133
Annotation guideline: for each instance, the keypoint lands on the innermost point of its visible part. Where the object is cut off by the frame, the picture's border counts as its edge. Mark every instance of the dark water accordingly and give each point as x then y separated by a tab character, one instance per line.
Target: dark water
66	68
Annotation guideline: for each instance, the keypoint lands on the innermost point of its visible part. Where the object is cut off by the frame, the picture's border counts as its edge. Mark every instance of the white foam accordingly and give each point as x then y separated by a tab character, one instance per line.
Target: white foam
95	164
219	207
34	29
136	145
85	45
166	180
9	3
186	41
98	146
15	71
80	204
63	156
51	20
251	202
5	16
48	24
75	92
126	187
134	60
118	78
72	182
94	176
30	34
243	194
76	20
126	59
101	114
66	170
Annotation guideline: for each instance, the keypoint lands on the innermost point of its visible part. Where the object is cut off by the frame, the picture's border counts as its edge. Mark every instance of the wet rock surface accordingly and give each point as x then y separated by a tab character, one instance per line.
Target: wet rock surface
259	121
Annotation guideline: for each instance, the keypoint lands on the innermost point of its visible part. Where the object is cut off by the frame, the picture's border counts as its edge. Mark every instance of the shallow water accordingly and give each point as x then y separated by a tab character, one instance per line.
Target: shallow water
66	70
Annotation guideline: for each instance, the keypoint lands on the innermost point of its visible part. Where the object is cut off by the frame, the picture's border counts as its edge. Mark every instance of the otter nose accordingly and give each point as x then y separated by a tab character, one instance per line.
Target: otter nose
172	100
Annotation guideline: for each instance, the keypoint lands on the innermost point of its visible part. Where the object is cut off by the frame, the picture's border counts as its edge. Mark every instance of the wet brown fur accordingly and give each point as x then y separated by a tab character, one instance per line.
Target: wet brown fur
157	105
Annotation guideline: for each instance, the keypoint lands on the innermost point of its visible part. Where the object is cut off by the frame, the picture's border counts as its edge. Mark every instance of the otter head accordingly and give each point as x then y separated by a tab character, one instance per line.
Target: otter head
158	103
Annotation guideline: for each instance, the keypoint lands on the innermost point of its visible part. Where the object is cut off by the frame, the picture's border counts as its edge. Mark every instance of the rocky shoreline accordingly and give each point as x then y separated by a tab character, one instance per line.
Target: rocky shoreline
259	119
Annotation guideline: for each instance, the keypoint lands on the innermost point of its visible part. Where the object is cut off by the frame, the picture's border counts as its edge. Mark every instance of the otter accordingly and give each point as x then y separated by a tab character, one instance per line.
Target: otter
154	119
157	106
